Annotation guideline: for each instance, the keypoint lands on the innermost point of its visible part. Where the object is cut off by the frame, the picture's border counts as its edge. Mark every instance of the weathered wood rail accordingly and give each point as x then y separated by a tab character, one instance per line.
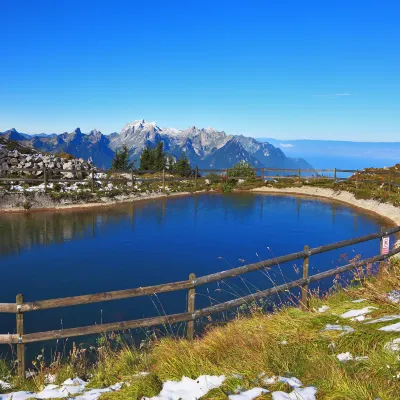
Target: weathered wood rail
20	338
92	175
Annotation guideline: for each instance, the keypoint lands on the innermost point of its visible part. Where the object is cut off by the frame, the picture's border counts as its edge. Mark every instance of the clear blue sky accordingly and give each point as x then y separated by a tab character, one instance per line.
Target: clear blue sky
283	69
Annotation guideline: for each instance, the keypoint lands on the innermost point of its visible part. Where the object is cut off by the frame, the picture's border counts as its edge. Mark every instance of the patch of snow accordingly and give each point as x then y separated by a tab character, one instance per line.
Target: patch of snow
189	389
17	396
94	394
293	382
249	394
344	357
323	309
394	296
4	385
360	318
384	319
343	328
270	381
358	301
69	389
393	345
391	328
75	382
50	378
357	313
307	393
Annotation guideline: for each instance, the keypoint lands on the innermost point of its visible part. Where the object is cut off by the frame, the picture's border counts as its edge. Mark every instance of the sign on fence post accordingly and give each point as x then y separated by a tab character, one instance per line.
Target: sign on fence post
385	243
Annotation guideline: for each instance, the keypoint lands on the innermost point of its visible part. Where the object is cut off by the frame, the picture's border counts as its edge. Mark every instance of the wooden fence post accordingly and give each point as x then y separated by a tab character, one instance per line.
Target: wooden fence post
334	175
304	289
133	181
195	177
390	181
263	176
92	180
164	179
20	332
299	175
191	305
44	178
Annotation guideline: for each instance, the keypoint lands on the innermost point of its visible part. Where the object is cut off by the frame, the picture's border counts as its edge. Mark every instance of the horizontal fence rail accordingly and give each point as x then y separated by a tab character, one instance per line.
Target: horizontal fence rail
20	338
174	286
95	176
184	317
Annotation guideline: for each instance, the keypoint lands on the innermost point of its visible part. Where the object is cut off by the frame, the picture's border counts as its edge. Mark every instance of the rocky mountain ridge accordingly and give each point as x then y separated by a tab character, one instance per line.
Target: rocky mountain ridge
205	147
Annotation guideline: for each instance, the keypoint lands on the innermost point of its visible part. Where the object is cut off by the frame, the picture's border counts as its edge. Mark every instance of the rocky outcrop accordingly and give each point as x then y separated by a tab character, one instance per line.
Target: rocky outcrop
36	162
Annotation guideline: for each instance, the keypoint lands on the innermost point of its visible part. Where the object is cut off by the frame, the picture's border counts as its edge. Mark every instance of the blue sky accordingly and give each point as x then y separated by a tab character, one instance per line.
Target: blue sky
283	69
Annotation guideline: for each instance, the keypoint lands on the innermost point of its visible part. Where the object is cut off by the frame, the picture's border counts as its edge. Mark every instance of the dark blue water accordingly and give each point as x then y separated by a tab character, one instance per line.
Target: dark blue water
55	254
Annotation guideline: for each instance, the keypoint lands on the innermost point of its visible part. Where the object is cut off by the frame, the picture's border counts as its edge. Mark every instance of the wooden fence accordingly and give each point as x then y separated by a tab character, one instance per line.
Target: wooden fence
20	307
92	176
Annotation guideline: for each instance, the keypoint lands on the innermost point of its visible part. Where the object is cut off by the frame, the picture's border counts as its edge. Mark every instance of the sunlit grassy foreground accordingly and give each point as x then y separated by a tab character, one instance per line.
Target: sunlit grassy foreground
289	342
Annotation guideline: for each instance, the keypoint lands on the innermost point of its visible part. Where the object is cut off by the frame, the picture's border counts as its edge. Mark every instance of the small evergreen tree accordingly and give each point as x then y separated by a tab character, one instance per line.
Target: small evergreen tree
152	157
182	165
160	159
121	160
145	160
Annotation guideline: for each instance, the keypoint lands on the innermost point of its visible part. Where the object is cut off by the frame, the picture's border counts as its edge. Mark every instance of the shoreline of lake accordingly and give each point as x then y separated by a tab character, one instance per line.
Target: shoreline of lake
384	210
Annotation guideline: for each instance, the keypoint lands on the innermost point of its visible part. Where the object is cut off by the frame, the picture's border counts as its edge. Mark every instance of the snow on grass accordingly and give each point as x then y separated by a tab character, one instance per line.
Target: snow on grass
307	393
384	319
360	318
393	345
248	394
391	328
394	296
270	381
358	301
342	328
71	388
4	385
293	382
357	313
17	396
189	389
63	187
323	309
344	357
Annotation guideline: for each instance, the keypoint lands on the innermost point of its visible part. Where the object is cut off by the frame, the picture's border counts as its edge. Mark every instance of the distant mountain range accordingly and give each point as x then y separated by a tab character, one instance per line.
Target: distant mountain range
205	147
341	154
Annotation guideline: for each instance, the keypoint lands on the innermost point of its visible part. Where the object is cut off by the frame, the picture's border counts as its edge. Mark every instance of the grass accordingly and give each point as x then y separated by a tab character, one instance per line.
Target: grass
287	342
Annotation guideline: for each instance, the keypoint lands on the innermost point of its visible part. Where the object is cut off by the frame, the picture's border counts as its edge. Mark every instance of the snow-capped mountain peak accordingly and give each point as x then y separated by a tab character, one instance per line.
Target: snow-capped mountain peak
205	147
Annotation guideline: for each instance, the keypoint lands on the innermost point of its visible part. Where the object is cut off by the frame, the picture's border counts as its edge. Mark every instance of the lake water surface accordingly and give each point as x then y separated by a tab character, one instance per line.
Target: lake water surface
56	254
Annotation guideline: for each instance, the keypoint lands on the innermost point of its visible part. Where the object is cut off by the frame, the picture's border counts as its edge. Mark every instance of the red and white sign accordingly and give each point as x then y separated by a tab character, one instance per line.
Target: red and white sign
385	245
